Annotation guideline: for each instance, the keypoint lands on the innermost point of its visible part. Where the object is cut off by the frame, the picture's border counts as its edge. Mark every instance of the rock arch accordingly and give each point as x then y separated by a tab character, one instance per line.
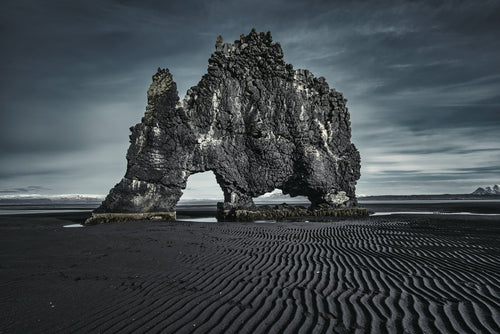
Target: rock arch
254	121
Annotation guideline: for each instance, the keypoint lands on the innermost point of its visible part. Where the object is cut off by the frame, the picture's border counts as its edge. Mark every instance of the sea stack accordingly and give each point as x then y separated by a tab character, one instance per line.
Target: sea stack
255	121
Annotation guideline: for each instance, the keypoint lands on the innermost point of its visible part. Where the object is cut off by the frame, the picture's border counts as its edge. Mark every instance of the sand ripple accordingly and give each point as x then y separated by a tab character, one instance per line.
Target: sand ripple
376	277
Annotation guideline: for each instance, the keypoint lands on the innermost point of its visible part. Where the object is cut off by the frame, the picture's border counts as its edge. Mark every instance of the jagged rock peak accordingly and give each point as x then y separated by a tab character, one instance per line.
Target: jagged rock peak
253	39
254	121
162	81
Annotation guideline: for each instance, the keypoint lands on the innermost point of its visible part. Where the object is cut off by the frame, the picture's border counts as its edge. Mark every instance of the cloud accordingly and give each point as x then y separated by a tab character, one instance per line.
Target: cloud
421	79
28	189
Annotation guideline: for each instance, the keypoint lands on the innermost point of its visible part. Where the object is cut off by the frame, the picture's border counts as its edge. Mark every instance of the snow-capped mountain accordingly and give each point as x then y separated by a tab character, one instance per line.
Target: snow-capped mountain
277	196
495	190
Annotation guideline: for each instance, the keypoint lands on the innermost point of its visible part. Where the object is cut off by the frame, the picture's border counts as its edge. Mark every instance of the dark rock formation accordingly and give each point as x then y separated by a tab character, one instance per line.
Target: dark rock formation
254	121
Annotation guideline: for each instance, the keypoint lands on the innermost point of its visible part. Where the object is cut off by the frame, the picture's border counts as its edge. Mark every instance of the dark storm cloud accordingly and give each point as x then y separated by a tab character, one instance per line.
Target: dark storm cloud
450	174
7	173
443	149
422	79
25	190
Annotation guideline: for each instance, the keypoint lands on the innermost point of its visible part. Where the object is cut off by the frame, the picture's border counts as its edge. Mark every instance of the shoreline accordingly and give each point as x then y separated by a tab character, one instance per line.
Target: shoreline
203	210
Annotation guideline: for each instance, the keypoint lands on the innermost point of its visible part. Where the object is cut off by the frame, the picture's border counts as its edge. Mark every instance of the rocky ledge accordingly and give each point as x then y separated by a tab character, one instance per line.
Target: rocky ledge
283	211
253	120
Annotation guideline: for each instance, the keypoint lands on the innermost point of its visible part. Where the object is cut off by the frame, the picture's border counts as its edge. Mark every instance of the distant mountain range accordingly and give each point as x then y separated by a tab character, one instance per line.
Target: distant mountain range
479	194
495	190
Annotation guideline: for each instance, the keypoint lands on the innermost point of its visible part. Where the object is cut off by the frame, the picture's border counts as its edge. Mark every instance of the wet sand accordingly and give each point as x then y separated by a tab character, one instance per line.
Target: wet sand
394	274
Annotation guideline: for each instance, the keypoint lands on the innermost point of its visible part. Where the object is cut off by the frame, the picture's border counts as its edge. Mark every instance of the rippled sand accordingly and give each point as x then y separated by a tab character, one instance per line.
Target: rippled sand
381	274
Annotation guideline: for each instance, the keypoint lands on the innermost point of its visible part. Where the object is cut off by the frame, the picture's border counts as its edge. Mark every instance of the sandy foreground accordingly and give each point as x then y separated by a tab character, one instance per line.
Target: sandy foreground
394	274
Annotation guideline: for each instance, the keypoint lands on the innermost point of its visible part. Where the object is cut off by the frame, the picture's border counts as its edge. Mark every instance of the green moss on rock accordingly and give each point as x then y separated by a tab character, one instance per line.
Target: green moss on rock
100	218
280	214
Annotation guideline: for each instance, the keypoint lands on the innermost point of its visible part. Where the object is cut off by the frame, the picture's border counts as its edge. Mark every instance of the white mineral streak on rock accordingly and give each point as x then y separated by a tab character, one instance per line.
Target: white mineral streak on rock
324	137
313	153
215	100
302	115
157	158
136	184
156	131
207	140
141	140
236	107
324	132
299	86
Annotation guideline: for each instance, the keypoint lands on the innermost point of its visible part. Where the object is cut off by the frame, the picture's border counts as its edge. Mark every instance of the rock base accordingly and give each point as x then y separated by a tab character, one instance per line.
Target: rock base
235	215
280	214
100	218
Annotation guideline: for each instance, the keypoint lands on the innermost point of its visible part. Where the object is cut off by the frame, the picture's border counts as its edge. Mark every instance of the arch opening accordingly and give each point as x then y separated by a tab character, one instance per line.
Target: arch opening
202	188
198	202
277	197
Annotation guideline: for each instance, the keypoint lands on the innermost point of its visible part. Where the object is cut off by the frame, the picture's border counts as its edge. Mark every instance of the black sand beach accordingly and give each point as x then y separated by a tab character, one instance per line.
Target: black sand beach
394	274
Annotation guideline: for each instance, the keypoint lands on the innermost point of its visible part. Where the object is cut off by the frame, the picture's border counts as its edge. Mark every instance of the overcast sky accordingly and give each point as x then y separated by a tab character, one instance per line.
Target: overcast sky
422	79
